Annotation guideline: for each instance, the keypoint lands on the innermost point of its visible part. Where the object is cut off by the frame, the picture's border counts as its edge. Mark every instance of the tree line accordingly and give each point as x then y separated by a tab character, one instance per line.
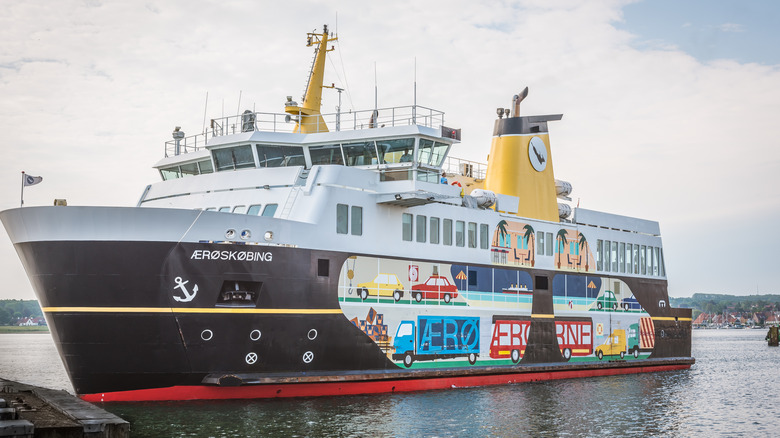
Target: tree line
718	303
13	310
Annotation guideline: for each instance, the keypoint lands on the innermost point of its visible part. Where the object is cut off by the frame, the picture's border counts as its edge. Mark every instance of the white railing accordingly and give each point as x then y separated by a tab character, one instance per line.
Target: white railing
276	122
458	166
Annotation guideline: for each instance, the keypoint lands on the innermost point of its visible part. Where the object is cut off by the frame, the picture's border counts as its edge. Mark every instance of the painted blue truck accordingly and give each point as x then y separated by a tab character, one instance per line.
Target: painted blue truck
437	337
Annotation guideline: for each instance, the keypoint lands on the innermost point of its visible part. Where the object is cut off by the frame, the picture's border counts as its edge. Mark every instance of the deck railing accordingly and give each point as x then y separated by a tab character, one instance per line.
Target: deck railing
276	122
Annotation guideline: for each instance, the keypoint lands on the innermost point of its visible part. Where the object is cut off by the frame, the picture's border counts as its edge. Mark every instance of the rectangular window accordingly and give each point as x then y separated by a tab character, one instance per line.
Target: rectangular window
607	260
599	256
421	223
360	154
270	209
189	169
254	210
472	235
279	156
224	209
406	227
325	154
661	269
655	261
460	231
629	264
484	241
323	267
548	240
357	220
205	166
642	262
636	259
622	256
434	230
447	232
239	209
540	242
614	257
237	157
342	212
648	260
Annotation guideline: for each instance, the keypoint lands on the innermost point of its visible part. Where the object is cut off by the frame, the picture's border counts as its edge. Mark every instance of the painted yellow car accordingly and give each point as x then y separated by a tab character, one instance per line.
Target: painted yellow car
384	285
614	345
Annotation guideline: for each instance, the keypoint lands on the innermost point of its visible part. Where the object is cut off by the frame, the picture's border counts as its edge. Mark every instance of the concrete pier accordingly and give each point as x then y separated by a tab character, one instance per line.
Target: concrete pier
31	411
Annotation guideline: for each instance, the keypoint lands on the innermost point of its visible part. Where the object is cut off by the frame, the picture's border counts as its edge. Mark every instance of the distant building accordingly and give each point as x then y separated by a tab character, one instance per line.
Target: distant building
26	322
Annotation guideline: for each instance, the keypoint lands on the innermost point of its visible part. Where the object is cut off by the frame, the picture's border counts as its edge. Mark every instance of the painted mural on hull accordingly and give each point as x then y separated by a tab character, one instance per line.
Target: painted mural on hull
437	315
515	244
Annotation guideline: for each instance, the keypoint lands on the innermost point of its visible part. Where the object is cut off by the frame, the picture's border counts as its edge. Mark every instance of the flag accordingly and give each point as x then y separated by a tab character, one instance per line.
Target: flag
30	180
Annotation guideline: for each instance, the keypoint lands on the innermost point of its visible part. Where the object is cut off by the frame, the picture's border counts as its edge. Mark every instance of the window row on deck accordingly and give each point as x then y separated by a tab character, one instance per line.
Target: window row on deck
629	258
435	230
426	152
254	210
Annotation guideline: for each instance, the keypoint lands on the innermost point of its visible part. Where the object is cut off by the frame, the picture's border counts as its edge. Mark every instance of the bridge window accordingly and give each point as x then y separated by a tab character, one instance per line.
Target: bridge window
254	210
431	152
279	156
400	150
360	154
237	157
326	154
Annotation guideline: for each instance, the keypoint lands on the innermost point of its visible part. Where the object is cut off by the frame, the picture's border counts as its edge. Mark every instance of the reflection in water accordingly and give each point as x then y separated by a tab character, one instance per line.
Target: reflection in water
730	391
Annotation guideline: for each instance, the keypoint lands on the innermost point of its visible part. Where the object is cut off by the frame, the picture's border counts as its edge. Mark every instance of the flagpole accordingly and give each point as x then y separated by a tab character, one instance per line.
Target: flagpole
22	197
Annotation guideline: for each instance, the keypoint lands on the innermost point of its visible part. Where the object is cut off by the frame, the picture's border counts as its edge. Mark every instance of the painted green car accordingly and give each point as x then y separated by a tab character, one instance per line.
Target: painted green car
607	301
384	285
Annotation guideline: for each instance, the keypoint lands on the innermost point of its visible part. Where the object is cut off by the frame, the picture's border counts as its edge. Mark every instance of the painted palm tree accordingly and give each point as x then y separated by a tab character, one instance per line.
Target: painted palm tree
584	249
530	236
562	242
501	228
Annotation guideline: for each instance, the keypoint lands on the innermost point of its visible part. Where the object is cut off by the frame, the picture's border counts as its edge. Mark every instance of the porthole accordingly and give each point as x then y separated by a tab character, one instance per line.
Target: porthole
246	234
230	234
312	334
255	335
206	335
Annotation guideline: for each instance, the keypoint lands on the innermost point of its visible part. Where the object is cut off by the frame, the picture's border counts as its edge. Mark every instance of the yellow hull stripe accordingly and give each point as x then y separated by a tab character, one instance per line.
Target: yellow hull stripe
670	318
186	310
542	315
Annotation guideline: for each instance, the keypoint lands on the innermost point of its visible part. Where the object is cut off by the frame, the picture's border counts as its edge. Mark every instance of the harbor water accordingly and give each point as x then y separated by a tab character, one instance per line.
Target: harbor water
732	390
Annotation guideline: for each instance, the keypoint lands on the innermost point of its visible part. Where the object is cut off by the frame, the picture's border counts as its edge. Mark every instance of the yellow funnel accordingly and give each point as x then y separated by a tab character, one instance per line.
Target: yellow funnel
520	164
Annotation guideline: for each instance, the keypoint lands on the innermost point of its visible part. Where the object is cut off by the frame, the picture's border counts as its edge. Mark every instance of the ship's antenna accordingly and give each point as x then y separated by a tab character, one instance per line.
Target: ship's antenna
238	110
205	110
376	99
414	108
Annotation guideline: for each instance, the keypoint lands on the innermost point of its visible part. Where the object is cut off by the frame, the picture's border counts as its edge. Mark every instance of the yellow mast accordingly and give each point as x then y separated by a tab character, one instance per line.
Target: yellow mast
307	116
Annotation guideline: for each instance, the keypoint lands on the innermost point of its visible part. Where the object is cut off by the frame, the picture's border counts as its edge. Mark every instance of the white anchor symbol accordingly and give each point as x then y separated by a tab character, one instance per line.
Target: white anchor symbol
187	297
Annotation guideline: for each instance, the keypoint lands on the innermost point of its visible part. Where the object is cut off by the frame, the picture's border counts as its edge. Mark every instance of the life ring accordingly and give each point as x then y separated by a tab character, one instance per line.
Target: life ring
456	183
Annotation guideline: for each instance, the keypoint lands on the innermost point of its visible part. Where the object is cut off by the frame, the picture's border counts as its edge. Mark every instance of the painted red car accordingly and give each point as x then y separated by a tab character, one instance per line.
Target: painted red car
436	287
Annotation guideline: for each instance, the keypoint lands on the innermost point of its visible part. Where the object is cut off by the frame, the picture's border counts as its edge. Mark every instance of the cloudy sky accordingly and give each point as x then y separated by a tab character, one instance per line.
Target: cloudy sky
670	108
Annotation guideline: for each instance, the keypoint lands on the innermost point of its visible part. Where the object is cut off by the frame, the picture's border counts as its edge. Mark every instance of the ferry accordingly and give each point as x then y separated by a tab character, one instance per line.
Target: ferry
309	254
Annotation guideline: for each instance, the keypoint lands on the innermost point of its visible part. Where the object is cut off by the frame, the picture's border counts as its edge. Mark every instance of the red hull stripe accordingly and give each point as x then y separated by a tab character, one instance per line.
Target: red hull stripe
203	392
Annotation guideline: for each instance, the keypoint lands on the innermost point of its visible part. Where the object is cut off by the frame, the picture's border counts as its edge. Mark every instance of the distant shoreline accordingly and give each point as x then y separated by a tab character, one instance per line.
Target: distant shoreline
30	329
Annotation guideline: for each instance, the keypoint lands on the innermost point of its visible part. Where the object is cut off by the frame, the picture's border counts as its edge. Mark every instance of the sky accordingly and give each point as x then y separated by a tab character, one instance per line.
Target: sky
670	108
